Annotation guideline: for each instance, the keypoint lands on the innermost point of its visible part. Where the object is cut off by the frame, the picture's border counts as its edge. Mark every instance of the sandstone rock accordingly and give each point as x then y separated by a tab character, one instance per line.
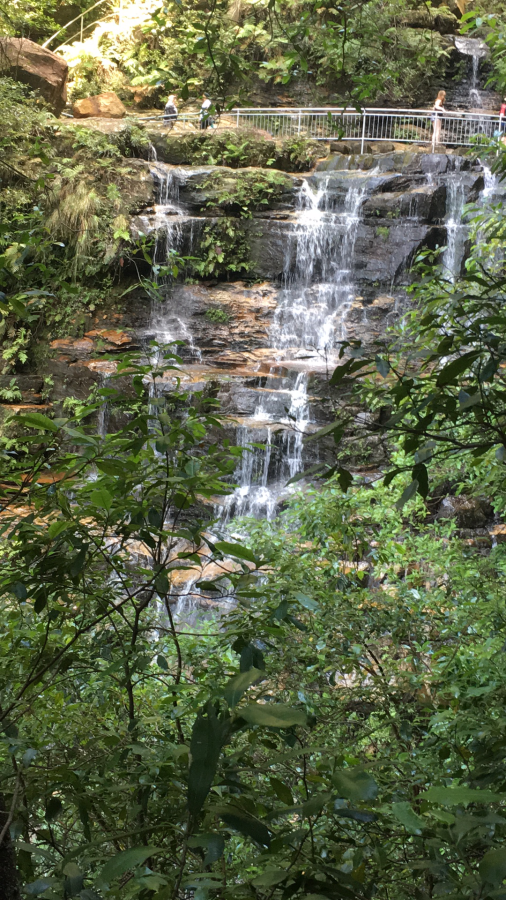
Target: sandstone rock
383	147
106	105
42	70
341	147
498	533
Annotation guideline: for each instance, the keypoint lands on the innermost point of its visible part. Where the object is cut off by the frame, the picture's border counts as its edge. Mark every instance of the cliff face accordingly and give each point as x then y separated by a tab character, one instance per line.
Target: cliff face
279	269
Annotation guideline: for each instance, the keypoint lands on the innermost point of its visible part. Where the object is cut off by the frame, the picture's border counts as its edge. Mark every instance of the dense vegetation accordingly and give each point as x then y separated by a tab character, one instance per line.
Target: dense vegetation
376	51
340	731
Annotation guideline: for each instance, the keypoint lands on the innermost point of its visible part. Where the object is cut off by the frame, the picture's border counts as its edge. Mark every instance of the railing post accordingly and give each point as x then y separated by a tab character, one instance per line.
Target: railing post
237	126
364	113
81	29
298	128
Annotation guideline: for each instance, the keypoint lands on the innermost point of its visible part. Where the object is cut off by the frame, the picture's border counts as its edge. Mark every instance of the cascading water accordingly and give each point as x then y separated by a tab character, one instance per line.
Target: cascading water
474	51
455	229
309	321
318	290
175	233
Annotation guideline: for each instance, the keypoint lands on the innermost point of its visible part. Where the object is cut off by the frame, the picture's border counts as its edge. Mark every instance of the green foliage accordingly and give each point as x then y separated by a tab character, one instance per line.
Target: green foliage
245	192
218	316
223	250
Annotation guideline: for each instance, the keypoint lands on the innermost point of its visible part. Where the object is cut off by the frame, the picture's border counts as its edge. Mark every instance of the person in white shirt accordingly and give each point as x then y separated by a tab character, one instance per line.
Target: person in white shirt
205	120
170	112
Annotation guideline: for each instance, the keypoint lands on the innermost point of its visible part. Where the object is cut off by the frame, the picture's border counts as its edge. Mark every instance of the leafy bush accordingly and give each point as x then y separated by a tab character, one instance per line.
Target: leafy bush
218	316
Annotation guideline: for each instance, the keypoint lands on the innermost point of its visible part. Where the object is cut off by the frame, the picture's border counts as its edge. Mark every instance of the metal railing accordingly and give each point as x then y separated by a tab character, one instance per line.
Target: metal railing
372	125
82	27
404	126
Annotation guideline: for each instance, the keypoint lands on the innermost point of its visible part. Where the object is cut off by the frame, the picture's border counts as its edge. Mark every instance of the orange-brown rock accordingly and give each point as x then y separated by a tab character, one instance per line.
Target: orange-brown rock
42	70
118	338
76	348
106	105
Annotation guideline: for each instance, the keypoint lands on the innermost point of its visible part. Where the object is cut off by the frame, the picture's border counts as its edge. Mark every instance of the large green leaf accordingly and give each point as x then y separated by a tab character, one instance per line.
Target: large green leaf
205	747
270	877
455	368
235	688
355	784
273	715
36	420
460	796
247	825
124	861
236	550
493	866
408	817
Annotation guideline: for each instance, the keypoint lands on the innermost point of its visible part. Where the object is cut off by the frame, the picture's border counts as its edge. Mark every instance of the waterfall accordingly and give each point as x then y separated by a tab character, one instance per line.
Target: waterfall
474	50
319	290
309	321
455	229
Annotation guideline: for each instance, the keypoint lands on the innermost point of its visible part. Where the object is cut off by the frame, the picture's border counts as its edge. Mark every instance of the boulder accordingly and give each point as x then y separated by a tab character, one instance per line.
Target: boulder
106	106
41	69
469	512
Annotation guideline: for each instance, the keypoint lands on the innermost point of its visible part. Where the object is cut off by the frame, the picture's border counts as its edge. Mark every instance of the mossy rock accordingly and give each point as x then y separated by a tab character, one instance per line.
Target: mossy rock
234	149
240	192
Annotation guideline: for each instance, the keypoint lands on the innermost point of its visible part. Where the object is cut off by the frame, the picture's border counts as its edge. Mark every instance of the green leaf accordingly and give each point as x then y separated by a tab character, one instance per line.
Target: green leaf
124	861
270	877
407	817
247	825
355	784
207	739
236	550
344	478
455	368
39	886
19	590
492	867
407	494
235	688
102	499
273	715
307	602
110	467
29	756
383	366
162	663
421	476
36	420
457	796
281	790
214	844
315	804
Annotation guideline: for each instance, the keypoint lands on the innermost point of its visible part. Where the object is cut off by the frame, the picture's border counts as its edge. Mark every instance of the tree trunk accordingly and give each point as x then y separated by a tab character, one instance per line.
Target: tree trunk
9	884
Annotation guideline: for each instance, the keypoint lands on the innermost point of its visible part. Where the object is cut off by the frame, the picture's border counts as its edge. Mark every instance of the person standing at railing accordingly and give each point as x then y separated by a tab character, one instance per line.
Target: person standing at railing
437	117
205	120
502	121
170	111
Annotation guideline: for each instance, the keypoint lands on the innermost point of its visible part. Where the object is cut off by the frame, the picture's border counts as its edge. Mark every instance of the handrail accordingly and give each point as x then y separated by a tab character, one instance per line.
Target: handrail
77	18
374	124
90	25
